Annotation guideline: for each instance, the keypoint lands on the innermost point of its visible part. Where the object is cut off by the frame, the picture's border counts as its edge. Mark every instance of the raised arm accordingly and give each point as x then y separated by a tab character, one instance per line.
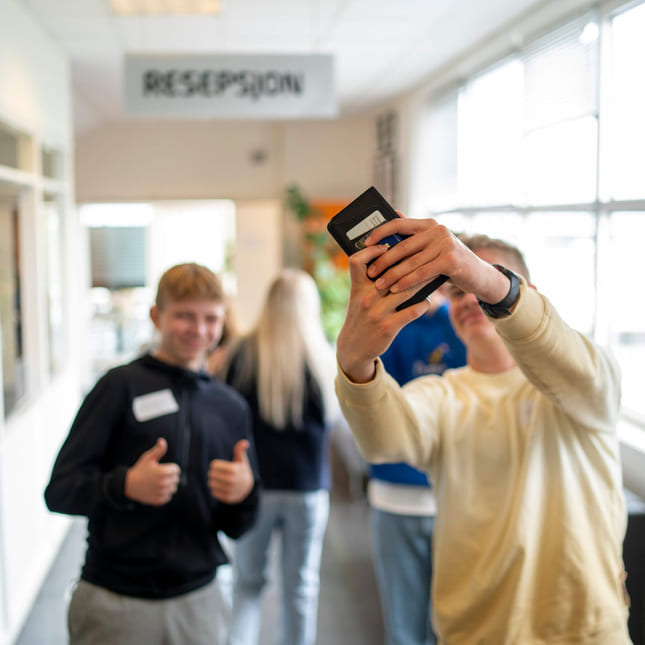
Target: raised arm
429	251
372	321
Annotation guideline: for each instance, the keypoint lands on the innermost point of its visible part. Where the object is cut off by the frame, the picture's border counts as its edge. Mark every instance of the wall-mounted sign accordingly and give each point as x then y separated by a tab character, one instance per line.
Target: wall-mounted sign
244	86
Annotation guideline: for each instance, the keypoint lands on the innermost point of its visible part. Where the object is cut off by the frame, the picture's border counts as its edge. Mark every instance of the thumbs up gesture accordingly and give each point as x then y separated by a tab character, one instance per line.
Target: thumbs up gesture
150	482
231	481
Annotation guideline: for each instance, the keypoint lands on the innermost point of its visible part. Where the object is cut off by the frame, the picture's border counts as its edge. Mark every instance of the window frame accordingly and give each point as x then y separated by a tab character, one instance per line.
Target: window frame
601	205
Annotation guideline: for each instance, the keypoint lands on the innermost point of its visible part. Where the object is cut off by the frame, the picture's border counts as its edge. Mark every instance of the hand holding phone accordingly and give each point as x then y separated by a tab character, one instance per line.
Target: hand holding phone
351	226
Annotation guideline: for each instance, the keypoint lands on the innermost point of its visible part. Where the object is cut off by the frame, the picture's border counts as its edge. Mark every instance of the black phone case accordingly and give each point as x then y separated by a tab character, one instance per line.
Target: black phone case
357	212
354	213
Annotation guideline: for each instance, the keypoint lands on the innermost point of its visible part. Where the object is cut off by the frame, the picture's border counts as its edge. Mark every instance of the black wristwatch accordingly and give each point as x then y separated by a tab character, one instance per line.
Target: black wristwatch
503	307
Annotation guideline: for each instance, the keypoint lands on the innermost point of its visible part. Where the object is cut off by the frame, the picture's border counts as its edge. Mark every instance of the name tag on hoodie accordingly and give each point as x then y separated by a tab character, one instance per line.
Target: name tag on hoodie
153	405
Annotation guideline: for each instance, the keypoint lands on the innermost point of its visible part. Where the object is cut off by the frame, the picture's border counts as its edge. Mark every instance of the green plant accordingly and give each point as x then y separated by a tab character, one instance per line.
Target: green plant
297	204
319	251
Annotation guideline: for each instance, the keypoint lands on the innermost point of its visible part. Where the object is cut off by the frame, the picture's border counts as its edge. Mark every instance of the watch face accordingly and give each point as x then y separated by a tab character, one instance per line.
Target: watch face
503	307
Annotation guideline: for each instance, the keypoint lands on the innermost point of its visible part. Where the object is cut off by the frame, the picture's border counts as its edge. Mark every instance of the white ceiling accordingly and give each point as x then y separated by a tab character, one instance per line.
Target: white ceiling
381	49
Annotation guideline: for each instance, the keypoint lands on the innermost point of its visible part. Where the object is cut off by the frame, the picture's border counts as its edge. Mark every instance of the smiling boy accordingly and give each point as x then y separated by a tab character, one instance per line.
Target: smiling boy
157	460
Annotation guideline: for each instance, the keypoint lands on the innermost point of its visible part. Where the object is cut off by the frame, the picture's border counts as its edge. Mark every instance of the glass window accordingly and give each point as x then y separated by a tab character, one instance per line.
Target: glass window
560	251
505	226
561	74
552	243
626	313
532	144
625	141
11	323
437	150
560	163
456	222
489	128
561	108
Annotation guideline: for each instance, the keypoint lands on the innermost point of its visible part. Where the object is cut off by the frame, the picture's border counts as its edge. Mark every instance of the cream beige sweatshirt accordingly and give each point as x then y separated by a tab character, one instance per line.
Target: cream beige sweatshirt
526	470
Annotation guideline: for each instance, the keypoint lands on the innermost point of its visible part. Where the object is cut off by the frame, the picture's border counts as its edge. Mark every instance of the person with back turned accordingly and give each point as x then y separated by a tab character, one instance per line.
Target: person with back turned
284	367
402	503
520	444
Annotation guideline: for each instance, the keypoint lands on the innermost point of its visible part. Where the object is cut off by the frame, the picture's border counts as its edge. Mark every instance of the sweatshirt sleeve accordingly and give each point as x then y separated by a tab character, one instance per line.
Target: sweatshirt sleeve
577	375
80	479
385	419
236	519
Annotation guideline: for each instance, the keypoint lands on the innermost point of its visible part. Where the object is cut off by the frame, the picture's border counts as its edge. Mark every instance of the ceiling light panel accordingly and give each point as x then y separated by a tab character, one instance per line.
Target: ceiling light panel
164	7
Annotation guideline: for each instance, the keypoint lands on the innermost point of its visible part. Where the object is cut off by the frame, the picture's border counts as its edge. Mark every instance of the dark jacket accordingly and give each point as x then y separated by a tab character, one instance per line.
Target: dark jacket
136	549
291	458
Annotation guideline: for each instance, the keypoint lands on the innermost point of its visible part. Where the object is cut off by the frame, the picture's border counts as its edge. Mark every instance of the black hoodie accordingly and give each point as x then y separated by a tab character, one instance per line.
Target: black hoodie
136	549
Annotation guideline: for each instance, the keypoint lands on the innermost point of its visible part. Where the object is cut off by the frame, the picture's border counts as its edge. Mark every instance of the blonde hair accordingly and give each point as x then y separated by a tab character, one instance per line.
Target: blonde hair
288	339
218	357
188	280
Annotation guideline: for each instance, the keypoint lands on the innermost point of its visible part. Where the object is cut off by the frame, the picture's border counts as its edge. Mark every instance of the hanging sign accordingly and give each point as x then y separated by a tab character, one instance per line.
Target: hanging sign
231	86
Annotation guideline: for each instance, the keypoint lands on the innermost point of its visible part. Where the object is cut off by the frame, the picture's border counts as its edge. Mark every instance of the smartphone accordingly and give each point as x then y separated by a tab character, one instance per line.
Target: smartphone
351	226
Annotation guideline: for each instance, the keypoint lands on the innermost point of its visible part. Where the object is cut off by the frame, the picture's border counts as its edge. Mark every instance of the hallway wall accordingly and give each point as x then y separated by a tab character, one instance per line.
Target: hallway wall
145	160
249	162
35	102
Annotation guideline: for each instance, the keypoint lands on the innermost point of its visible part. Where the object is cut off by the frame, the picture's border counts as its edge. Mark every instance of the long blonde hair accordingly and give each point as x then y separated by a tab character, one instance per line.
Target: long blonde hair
287	339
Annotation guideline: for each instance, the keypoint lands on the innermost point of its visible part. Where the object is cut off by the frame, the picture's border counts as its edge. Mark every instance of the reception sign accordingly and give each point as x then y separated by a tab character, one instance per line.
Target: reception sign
242	86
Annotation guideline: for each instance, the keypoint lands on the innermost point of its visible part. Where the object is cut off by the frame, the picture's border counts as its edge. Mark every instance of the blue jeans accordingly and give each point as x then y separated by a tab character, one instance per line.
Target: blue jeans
300	519
402	552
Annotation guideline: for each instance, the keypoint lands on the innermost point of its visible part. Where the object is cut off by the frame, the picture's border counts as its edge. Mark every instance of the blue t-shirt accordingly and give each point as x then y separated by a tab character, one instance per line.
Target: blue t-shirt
427	345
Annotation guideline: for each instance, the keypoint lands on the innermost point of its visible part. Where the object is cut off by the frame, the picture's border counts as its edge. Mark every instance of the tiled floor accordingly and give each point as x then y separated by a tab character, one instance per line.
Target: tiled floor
349	610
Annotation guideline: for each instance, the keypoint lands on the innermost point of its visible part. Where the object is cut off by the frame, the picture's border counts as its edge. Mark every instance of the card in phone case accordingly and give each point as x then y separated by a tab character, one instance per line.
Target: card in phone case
351	226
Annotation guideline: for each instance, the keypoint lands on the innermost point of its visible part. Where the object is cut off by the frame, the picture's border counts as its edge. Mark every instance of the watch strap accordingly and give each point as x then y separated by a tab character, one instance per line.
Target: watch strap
503	307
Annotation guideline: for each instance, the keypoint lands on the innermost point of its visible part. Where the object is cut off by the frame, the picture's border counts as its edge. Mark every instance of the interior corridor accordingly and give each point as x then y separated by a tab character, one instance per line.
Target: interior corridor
349	607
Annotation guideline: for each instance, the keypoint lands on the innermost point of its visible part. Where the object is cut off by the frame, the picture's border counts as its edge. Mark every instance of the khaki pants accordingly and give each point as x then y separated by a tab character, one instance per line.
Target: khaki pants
97	616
